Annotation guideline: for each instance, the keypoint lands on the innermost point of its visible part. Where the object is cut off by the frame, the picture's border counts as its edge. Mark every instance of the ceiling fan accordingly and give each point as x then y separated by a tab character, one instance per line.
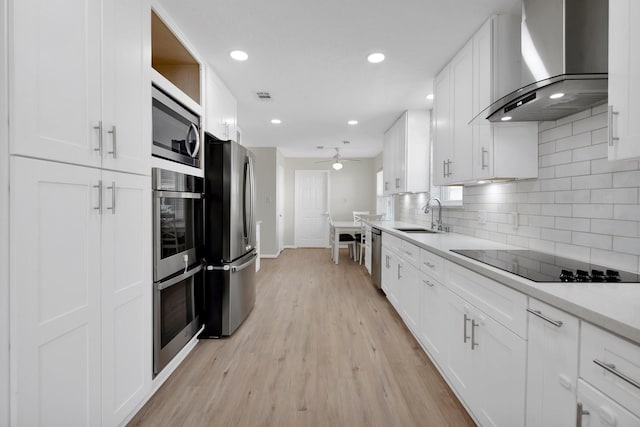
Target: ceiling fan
336	160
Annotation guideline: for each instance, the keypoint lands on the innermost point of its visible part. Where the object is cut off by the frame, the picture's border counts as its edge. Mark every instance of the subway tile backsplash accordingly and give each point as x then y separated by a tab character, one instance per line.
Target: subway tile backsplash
581	206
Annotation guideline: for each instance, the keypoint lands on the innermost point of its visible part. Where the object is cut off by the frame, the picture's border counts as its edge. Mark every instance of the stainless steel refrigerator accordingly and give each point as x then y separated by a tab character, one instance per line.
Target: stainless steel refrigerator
229	291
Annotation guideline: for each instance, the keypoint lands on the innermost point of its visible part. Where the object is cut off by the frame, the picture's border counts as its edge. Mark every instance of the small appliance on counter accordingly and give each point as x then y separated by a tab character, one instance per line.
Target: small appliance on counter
230	236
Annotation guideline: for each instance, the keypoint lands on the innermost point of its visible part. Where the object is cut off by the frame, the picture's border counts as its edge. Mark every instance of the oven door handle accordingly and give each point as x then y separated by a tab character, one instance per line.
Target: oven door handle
177	195
167	284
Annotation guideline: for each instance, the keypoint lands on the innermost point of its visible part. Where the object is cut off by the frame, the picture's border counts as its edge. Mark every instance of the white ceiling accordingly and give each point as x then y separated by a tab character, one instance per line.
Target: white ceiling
311	57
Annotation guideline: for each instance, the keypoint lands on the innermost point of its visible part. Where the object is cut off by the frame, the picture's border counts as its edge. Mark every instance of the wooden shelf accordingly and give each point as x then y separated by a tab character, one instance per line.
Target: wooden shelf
170	58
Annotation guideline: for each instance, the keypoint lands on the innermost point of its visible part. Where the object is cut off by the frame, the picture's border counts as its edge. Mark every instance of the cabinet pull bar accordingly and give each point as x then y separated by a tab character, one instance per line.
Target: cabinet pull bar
474	344
444	168
397	182
113	197
466	319
399	267
113	139
428	283
610	367
610	117
484	165
99	129
579	413
538	313
99	207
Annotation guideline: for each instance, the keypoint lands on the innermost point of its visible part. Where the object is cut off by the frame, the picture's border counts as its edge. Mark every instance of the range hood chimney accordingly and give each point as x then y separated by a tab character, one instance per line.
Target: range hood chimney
564	47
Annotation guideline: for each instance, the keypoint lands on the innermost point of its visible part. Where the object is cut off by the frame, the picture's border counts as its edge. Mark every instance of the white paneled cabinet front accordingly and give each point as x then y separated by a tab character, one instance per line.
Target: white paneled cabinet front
220	109
80	340
409	294
552	366
624	79
406	153
79	82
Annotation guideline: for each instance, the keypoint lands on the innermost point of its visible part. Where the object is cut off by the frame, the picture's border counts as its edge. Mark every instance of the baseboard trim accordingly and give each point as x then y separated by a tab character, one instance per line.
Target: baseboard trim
270	255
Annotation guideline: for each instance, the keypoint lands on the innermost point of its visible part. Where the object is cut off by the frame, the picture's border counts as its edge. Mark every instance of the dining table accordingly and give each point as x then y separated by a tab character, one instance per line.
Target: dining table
342	227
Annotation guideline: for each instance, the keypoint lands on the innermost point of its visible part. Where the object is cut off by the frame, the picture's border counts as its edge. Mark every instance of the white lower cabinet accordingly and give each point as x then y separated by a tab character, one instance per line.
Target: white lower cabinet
409	294
597	410
431	331
80	273
552	366
389	276
486	364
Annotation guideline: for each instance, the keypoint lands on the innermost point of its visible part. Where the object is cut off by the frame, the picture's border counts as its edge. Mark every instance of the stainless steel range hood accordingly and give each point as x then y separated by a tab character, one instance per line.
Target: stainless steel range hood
564	47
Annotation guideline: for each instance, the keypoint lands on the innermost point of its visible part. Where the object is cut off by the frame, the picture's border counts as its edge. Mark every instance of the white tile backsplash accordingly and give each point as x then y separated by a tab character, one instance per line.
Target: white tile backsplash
581	206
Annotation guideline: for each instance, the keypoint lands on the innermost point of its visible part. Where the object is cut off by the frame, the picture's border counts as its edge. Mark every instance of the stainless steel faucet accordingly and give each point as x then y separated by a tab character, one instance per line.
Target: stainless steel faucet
426	208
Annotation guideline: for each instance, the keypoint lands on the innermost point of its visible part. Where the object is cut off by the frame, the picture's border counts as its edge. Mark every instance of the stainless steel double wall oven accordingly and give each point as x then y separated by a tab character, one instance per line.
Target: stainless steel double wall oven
177	266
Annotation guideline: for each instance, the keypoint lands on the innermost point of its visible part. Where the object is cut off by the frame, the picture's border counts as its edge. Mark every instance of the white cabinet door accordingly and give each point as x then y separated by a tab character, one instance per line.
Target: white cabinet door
126	90
624	79
598	410
126	294
460	368
552	367
221	108
388	163
55	280
433	329
390	273
462	85
400	148
409	294
442	127
500	368
55	80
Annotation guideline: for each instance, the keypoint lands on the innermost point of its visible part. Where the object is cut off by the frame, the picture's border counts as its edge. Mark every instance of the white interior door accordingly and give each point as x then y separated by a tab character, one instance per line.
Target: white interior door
311	207
280	199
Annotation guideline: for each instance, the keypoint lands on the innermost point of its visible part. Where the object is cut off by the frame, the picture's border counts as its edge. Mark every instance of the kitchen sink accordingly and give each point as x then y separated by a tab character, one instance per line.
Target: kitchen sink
416	230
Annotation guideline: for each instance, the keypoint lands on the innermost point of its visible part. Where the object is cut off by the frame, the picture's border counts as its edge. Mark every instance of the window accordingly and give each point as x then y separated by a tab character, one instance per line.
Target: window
384	204
449	196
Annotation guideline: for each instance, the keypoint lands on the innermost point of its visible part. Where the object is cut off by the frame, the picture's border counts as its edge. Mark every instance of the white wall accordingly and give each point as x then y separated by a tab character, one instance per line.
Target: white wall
581	206
266	160
4	223
351	188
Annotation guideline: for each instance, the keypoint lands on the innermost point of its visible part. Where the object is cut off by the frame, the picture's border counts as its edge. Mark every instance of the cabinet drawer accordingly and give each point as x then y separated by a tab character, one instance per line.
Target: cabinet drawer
431	264
411	253
393	243
503	304
619	378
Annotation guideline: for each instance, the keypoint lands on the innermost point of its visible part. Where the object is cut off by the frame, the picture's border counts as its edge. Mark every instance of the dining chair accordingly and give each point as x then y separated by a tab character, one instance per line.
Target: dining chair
362	241
343	238
358	216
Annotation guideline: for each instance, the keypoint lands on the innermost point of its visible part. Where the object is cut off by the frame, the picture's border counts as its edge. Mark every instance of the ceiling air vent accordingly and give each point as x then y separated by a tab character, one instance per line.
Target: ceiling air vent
263	96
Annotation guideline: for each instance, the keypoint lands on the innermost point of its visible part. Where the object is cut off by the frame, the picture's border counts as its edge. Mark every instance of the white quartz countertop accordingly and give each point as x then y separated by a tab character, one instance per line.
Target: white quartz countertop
611	306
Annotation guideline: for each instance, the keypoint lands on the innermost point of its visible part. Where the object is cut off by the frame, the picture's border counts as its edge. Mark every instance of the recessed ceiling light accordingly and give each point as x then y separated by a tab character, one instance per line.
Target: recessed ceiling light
506	118
276	121
239	55
375	57
352	122
557	95
429	97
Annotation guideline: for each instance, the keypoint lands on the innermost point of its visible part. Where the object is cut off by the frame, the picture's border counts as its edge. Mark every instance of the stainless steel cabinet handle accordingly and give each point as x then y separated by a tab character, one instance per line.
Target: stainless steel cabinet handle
579	413
444	168
99	187
610	117
99	129
449	168
397	182
466	319
474	344
399	275
610	367
428	283
113	197
113	136
428	264
484	165
538	313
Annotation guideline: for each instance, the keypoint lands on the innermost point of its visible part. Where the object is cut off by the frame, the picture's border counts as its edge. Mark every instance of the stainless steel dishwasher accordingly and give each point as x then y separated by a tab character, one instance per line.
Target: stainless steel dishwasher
376	255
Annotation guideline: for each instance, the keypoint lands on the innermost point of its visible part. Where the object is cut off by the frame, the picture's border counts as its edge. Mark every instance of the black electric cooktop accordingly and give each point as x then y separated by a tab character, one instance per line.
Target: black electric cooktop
541	267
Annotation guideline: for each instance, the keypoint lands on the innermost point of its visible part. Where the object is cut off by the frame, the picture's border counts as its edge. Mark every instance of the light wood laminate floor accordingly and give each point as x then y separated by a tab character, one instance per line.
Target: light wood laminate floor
322	347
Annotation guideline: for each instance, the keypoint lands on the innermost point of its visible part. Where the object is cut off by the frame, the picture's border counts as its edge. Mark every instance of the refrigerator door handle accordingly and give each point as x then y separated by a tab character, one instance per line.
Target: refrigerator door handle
226	267
245	265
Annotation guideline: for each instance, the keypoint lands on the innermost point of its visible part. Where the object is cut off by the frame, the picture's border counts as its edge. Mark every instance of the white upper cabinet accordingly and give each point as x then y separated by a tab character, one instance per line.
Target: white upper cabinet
406	153
484	70
220	108
80	83
624	79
